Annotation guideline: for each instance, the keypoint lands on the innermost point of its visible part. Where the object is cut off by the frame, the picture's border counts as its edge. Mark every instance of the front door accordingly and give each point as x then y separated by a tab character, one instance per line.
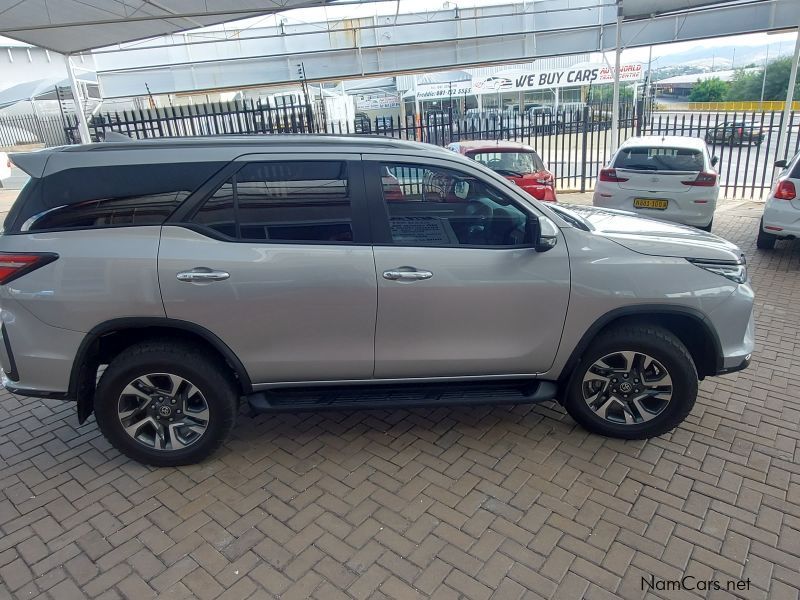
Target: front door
276	263
461	292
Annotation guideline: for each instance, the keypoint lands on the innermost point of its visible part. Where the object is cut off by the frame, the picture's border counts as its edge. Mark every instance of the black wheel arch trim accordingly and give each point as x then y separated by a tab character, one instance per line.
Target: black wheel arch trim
82	384
637	311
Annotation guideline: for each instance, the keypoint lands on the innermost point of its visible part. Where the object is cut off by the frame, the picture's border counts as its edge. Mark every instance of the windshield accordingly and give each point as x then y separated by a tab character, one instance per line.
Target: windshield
660	159
515	162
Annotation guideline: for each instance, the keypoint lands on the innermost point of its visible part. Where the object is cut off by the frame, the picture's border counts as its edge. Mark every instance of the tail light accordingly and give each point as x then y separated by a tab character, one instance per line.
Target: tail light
741	131
611	175
703	180
785	190
17	264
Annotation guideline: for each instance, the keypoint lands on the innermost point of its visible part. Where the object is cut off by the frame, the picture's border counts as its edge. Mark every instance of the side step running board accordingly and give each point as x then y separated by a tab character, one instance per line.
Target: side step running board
409	395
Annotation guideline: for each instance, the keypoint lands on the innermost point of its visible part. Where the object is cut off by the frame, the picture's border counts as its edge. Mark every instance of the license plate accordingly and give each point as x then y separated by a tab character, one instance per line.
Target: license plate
650	203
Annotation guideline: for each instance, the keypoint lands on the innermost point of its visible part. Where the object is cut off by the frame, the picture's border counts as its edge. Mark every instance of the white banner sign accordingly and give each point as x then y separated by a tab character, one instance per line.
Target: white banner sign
517	80
430	91
377	101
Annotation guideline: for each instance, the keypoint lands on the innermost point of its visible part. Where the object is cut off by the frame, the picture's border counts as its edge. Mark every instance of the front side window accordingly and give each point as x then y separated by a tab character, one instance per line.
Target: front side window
303	201
92	197
660	159
431	206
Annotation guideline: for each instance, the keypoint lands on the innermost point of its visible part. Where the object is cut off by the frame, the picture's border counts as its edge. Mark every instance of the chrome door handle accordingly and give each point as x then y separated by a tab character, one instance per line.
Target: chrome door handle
202	274
407	275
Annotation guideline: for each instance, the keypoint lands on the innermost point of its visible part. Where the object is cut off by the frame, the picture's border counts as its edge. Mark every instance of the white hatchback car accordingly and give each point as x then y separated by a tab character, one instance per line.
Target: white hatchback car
781	220
664	177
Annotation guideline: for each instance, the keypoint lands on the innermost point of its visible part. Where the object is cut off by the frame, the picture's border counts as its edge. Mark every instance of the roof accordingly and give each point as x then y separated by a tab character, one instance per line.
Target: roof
69	26
473	145
33	163
694	78
668	141
41	89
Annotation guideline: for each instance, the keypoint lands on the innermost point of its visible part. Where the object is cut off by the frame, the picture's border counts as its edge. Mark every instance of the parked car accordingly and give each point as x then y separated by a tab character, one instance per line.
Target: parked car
665	177
5	167
781	219
735	133
159	282
514	161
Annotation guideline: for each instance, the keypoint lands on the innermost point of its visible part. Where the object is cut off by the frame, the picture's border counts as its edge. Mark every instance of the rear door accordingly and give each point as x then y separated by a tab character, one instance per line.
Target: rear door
276	262
460	290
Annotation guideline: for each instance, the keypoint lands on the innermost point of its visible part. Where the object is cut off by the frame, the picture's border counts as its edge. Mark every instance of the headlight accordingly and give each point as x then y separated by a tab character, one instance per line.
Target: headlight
734	271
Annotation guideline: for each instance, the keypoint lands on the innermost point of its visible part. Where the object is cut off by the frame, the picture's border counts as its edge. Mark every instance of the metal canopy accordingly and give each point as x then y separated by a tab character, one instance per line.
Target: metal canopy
645	8
70	26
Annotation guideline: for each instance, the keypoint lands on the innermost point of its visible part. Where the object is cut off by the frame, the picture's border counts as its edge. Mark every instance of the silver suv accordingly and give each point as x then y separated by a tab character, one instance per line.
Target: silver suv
159	283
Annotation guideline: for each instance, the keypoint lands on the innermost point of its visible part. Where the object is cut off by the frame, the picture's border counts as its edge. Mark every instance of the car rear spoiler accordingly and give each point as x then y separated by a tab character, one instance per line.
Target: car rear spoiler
32	163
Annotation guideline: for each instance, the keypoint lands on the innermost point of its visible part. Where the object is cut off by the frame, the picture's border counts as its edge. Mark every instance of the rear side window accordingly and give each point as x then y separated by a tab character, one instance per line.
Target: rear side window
296	201
113	196
660	159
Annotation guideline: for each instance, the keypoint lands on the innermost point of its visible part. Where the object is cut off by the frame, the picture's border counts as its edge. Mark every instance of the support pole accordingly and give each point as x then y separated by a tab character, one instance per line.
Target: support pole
615	100
83	126
786	128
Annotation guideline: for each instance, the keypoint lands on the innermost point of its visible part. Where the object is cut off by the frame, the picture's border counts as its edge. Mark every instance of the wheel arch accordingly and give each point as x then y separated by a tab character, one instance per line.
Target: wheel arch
104	341
689	325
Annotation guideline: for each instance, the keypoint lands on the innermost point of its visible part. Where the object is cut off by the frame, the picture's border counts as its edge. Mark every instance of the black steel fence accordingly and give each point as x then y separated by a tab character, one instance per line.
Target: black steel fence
573	141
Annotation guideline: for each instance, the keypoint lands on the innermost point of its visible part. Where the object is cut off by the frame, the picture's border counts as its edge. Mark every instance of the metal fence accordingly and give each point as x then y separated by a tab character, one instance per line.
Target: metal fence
22	130
573	142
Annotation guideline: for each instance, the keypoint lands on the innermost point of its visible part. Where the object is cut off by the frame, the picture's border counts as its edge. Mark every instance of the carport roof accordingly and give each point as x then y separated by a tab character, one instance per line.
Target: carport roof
69	26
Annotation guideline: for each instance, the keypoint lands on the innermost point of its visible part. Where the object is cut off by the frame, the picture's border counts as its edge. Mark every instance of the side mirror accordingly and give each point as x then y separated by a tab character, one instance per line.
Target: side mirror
539	240
714	161
780	164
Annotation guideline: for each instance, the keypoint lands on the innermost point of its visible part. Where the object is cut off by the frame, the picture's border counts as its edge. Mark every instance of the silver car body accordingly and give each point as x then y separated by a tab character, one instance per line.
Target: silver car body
317	313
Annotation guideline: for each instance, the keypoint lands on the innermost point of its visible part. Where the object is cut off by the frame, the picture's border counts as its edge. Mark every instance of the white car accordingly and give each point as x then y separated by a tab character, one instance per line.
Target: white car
663	177
781	220
5	167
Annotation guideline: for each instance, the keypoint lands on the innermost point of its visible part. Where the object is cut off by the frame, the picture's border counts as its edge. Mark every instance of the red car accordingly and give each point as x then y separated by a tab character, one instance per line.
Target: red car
517	162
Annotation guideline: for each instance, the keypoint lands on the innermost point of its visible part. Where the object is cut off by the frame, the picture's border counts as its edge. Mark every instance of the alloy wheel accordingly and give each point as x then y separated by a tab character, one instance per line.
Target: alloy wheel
627	387
163	411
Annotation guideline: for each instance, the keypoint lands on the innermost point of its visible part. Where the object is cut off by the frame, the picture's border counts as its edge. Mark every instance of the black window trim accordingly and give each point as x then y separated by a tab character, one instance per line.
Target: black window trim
379	217
362	234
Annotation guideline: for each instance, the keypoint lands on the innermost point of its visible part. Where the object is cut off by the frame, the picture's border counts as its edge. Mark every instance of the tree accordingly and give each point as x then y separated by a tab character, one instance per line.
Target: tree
747	85
604	92
712	89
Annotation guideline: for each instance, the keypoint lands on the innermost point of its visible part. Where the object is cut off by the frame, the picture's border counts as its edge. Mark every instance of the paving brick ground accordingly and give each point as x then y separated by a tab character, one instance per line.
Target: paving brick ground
450	503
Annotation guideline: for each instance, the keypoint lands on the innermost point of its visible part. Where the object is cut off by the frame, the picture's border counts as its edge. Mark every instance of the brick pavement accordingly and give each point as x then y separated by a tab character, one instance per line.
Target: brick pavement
475	503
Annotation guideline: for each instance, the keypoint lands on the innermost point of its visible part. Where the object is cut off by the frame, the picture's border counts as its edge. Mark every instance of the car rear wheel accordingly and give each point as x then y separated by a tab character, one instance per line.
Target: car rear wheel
165	404
765	241
633	382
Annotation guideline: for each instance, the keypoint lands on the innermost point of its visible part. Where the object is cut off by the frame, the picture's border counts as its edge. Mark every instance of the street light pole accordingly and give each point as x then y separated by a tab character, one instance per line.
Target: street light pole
615	107
764	77
786	126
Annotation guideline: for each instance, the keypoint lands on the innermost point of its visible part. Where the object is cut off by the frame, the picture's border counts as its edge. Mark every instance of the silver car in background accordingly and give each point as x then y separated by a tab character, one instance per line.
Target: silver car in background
303	272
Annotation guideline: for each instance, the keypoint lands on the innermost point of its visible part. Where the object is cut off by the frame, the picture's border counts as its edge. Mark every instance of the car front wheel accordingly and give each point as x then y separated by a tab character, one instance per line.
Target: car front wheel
165	404
633	382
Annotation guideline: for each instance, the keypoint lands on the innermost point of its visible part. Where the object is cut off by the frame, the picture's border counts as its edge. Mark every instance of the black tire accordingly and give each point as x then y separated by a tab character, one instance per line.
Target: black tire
659	344
708	227
765	241
204	372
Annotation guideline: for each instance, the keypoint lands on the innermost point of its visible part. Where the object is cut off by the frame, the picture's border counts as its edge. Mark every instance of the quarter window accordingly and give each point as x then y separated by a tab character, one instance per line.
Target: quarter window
430	206
306	201
92	197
